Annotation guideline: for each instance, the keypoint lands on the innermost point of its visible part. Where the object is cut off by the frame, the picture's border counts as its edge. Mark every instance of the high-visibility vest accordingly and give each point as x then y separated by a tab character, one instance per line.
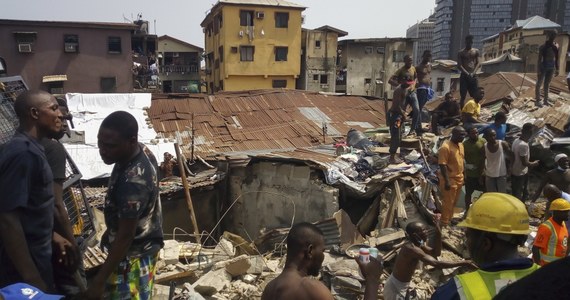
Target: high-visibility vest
548	255
483	285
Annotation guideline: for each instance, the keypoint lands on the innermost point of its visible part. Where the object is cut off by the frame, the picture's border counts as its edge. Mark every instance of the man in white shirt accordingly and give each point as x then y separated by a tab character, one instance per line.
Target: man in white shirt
519	172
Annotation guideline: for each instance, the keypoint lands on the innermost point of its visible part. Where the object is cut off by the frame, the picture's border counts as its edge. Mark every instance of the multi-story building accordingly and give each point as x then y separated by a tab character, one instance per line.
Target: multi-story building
62	57
523	40
178	65
455	19
365	65
318	59
422	33
252	44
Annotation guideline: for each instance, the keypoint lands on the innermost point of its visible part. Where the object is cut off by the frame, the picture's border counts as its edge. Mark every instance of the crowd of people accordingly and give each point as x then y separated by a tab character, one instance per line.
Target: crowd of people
39	252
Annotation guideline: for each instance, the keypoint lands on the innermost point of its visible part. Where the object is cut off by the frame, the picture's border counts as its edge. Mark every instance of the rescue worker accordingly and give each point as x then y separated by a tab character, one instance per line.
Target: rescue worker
551	242
496	225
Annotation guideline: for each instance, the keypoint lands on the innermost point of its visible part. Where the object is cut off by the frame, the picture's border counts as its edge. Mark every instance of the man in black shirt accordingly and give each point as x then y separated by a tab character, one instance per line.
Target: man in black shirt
132	214
27	202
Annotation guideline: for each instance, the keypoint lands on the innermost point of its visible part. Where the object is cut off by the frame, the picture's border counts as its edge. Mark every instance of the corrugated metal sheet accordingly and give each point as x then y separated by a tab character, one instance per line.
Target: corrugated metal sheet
261	119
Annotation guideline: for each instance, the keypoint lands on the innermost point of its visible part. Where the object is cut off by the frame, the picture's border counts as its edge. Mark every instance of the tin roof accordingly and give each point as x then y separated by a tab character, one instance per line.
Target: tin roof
262	119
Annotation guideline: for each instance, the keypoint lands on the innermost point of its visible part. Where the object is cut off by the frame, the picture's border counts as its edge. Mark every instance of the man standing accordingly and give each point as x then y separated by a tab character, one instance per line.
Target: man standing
450	160
411	253
551	242
132	214
474	165
472	109
397	117
447	113
305	246
495	153
560	176
496	225
468	64
424	90
547	66
521	162
27	202
408	73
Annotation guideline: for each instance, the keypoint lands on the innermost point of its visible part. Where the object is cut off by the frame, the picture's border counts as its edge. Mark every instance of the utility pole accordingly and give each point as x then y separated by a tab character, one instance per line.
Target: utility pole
193	131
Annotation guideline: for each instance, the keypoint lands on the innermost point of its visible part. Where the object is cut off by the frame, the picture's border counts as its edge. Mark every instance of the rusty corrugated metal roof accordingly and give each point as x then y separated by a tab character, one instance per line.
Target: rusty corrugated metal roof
261	119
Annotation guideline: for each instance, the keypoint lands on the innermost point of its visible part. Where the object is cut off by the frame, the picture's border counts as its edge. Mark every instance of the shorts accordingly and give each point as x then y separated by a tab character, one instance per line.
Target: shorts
133	279
394	289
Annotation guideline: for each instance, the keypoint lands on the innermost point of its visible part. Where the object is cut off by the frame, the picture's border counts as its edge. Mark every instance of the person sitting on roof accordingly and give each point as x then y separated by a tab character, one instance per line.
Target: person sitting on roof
447	113
472	109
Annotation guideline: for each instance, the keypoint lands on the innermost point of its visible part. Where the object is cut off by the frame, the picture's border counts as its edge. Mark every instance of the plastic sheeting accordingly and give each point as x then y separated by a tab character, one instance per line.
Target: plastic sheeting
89	111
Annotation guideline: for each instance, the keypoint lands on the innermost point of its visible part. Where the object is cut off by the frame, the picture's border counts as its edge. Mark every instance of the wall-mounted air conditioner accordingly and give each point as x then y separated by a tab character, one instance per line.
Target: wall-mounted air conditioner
25	48
259	14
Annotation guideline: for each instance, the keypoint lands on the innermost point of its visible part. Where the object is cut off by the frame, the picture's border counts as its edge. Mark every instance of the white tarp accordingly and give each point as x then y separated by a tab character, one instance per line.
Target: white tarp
89	110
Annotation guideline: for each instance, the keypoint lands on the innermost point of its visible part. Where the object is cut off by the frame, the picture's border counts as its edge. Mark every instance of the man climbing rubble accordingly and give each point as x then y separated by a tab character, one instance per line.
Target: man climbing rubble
496	225
451	165
559	176
397	116
551	242
305	247
416	249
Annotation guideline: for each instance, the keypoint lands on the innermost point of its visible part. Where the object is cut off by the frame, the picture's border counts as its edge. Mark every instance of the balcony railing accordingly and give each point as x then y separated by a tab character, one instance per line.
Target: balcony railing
178	69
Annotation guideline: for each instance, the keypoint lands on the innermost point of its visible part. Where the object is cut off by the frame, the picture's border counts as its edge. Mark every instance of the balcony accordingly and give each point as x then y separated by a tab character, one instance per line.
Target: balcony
178	69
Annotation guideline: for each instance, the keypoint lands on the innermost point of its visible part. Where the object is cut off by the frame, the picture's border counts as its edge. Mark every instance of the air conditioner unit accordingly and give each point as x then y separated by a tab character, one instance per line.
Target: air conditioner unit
25	48
324	86
240	33
175	54
259	14
70	47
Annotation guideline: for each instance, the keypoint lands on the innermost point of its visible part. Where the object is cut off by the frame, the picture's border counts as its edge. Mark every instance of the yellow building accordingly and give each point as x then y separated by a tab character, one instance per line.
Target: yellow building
252	44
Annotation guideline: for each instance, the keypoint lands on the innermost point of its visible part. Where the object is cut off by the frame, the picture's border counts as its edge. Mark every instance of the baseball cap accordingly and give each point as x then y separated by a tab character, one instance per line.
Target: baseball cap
21	291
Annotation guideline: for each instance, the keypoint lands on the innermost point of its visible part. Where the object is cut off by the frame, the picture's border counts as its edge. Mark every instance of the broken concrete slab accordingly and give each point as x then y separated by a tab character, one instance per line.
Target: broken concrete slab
238	265
162	292
257	265
212	282
170	252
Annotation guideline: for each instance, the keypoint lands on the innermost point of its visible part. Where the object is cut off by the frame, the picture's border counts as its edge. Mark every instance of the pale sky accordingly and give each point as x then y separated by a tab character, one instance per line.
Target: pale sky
181	18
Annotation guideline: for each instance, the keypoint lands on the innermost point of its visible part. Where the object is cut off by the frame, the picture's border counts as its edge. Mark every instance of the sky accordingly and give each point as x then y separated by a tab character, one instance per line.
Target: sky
181	19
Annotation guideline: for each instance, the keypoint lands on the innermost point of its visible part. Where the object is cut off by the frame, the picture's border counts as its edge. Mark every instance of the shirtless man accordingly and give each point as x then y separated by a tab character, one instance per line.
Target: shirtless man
305	246
397	117
412	252
409	71
560	176
547	66
468	64
424	90
447	113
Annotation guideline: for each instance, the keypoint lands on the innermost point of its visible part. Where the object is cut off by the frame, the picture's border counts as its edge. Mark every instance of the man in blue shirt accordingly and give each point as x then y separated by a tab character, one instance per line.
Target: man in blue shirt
27	202
499	125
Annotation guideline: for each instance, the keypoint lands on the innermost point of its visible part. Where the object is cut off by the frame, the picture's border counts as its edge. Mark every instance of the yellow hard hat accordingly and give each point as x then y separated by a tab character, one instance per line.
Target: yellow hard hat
499	213
559	205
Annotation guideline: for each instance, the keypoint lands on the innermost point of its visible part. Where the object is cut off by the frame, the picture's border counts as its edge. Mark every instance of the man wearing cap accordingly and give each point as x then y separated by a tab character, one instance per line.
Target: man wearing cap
560	176
496	225
551	242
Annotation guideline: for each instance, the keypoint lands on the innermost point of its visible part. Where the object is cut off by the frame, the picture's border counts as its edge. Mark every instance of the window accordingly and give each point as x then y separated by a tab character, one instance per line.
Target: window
281	19
324	79
440	85
221	53
114	44
317	44
25	41
246	53
216	63
108	84
380	50
368	49
70	43
398	56
316	77
279	83
367	80
246	17
281	53
221	86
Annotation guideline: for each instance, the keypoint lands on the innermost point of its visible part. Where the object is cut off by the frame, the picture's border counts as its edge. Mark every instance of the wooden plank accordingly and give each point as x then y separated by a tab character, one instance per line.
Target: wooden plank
170	276
389	220
181	165
387	238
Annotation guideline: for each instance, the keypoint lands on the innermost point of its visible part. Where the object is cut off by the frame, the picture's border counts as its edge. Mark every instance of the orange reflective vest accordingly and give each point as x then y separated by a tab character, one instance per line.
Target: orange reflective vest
552	239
